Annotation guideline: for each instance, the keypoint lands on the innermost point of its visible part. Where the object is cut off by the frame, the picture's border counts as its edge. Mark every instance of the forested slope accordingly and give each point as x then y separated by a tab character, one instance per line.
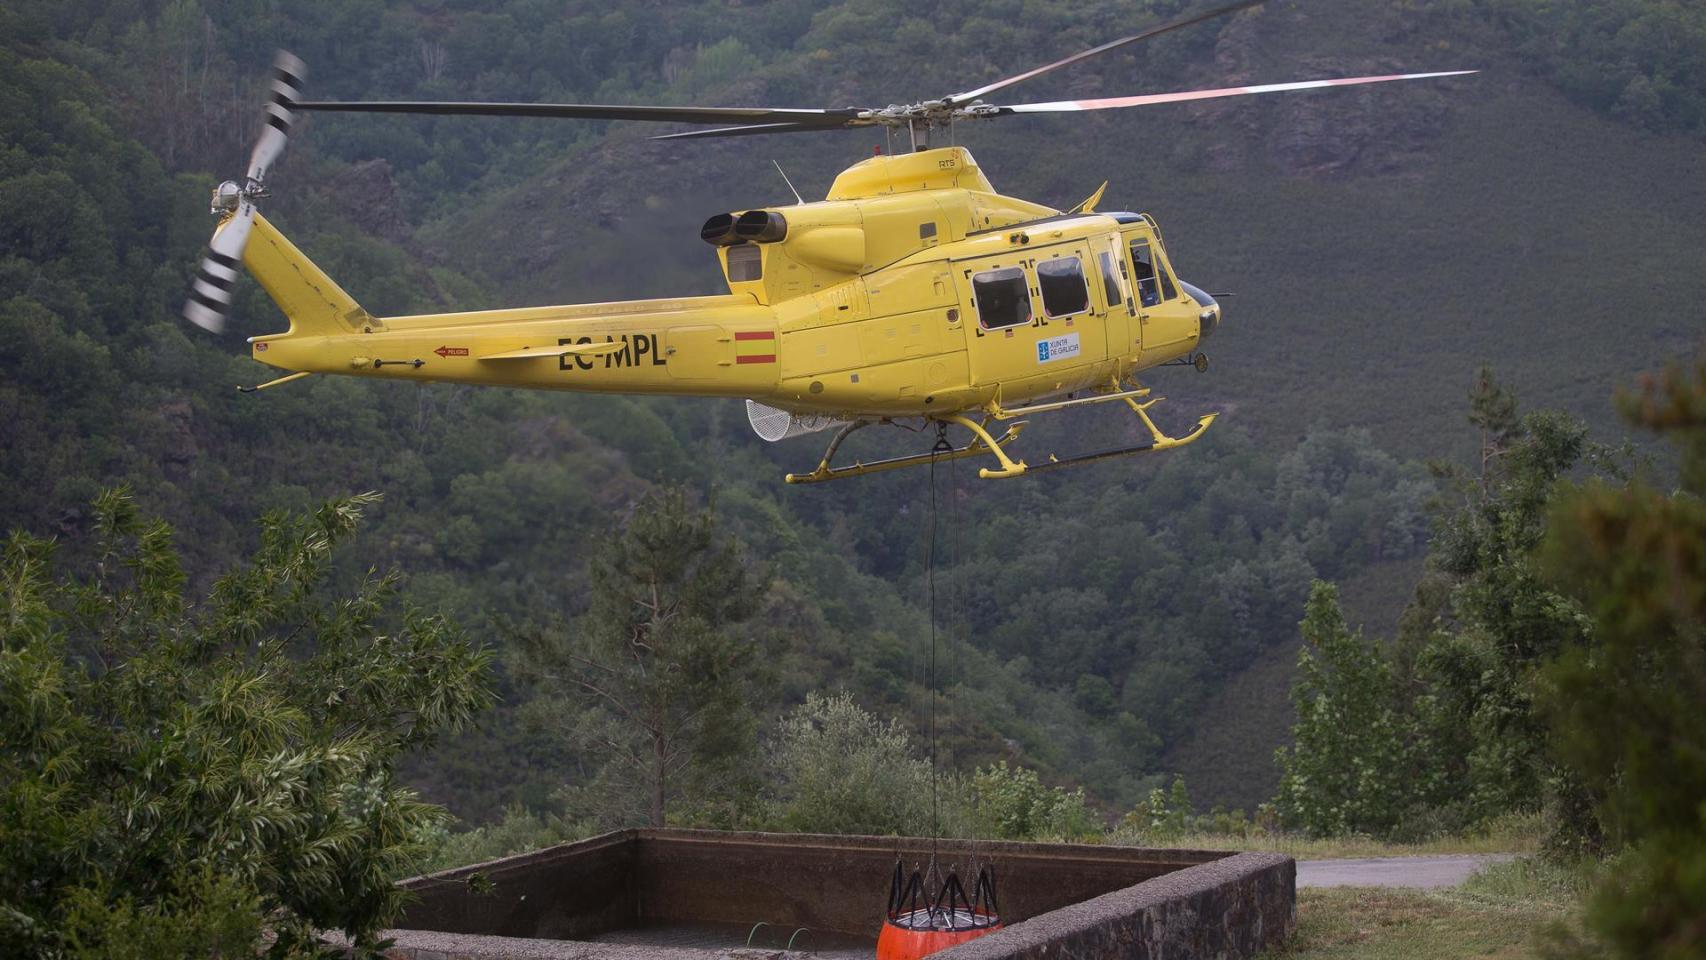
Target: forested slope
1381	243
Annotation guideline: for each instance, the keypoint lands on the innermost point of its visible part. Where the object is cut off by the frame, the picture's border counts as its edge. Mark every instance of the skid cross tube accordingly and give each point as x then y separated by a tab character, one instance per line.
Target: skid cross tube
1162	441
1158	441
1008	467
981	443
1001	413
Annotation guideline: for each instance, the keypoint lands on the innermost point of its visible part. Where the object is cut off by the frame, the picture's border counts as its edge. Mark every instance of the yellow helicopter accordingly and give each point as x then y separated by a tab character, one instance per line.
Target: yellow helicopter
913	291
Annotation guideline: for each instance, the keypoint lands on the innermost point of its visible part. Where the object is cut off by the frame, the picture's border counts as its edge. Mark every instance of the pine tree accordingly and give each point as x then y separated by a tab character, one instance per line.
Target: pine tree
655	680
1626	710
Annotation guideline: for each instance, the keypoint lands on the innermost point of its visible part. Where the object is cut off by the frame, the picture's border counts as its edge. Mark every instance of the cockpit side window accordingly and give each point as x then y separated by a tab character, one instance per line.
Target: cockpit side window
746	262
1143	264
1002	297
1064	289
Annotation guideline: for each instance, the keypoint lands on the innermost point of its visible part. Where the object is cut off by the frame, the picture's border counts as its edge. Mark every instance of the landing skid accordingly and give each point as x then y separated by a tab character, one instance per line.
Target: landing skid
1150	447
983	443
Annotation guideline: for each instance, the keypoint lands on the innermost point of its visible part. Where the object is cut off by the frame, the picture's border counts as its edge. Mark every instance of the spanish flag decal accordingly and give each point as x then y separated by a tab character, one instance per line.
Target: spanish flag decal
755	346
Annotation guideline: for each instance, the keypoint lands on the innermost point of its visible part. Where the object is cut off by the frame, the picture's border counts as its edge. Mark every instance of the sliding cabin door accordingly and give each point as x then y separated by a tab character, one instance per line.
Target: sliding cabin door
1038	324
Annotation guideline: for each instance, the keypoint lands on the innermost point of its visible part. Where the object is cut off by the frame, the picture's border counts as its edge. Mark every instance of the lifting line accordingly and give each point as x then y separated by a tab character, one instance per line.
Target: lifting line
957	607
931	897
942	446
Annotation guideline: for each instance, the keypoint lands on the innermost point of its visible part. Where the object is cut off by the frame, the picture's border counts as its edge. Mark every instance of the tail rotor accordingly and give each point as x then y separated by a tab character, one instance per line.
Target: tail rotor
210	293
287	75
209	301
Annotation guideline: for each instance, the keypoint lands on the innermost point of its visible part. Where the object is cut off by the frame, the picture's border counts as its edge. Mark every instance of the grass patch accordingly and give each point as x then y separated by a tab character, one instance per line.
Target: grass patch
1411	924
1505	911
1508	834
1529	881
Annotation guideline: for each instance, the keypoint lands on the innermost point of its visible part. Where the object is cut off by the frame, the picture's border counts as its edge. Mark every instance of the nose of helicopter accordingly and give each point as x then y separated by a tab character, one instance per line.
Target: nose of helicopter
1210	309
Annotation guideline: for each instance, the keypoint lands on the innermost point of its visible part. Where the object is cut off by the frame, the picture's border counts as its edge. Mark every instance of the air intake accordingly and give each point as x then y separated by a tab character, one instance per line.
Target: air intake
773	424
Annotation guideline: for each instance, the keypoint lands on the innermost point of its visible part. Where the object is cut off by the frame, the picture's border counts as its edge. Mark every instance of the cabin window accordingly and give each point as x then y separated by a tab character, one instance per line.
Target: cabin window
1112	290
746	262
1002	297
1065	291
1143	264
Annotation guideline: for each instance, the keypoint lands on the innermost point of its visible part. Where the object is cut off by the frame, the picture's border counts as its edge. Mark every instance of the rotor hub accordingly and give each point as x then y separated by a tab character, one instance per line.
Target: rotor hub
228	196
225	198
927	113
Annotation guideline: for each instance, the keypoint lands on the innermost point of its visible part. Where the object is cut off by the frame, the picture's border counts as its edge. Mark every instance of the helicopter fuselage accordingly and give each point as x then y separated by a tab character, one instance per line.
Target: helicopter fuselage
914	289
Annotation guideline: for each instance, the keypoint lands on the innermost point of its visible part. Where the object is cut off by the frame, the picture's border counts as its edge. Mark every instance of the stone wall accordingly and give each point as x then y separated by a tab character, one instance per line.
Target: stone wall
1233	907
1088	901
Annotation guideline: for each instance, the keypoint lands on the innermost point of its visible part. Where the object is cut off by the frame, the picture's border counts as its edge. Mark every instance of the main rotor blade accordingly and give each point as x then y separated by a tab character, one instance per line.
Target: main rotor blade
588	111
1154	31
1111	103
758	128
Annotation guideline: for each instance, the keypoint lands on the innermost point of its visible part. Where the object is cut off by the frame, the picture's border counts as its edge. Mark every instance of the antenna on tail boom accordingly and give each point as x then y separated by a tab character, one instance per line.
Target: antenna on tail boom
797	198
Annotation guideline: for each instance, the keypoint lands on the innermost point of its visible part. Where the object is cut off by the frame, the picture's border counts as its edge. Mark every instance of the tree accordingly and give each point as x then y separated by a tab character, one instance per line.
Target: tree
1626	709
1493	408
1482	622
1445	732
1496	620
655	680
1164	816
174	776
1345	772
1011	803
838	769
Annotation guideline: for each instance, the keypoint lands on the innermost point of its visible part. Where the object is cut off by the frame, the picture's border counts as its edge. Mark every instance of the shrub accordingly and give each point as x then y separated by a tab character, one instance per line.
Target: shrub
835	768
172	773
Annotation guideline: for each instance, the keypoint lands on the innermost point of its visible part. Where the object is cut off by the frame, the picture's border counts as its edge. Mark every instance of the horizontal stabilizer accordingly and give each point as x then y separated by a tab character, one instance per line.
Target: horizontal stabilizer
562	350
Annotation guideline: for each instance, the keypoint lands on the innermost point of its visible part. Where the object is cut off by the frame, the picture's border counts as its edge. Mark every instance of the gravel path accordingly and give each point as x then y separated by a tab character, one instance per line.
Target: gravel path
1418	872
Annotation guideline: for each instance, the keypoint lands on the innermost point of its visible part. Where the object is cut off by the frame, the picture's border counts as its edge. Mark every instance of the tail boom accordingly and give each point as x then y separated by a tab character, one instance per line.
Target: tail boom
721	345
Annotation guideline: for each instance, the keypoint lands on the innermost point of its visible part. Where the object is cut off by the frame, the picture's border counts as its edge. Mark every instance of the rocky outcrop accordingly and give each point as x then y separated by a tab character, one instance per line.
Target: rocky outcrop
1378	130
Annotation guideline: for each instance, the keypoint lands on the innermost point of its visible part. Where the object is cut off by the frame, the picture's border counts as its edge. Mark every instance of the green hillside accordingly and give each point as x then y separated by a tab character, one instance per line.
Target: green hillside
1112	624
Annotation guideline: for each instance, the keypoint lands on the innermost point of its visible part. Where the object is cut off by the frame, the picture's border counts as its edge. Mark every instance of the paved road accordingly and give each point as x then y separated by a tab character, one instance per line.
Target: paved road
1421	872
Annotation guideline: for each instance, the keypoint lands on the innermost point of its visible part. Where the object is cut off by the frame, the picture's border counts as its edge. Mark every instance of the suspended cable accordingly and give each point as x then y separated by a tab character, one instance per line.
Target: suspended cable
932	910
942	446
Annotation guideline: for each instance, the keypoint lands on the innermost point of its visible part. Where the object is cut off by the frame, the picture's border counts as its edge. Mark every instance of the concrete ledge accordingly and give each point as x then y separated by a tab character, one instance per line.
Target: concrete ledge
607	897
1233	907
432	945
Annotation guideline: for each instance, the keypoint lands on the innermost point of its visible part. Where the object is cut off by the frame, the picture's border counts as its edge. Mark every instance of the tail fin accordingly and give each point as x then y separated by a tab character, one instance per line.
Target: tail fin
315	304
